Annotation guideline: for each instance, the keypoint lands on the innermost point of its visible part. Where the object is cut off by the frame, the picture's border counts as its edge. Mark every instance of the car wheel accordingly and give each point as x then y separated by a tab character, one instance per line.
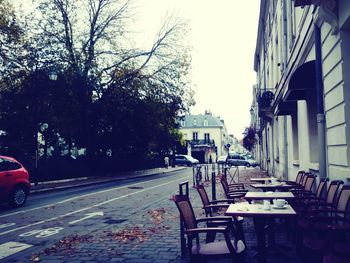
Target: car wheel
247	164
18	196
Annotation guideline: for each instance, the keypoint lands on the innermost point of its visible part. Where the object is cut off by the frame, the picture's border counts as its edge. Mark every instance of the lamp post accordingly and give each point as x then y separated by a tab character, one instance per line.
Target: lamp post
252	115
53	74
43	126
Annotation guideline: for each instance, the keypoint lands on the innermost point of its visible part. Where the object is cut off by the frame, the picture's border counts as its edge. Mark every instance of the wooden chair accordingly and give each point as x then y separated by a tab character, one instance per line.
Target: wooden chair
305	198
307	209
232	191
211	206
306	187
340	253
328	226
200	251
298	179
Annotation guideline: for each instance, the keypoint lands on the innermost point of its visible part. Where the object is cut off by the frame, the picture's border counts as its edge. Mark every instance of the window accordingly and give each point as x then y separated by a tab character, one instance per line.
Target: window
205	122
195	136
194	122
7	165
207	137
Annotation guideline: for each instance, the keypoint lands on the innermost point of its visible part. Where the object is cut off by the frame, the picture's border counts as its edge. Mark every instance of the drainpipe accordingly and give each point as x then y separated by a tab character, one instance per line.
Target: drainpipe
285	141
285	58
273	168
320	108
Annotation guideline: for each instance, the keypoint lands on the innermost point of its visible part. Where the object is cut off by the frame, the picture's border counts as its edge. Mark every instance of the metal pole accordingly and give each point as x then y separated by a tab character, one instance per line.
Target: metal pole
193	175
207	173
213	182
182	227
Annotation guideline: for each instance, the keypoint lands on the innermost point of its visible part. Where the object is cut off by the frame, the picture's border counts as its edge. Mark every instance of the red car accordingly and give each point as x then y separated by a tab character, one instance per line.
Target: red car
14	181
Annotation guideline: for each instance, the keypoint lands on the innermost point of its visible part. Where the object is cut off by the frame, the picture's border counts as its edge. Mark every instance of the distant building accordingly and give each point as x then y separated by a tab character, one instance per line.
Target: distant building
236	146
205	135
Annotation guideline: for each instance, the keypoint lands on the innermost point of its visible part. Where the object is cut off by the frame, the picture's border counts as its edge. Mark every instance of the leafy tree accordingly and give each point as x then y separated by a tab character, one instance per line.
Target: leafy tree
249	139
11	38
23	107
109	97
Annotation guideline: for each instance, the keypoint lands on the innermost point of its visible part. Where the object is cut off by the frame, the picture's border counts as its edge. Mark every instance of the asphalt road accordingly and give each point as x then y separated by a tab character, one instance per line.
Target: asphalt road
50	217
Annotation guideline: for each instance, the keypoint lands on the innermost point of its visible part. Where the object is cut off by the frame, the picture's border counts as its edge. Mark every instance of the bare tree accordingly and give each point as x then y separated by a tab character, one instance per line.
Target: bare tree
91	37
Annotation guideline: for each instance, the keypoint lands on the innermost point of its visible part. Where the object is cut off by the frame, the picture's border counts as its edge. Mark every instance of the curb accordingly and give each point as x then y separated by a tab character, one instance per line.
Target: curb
87	181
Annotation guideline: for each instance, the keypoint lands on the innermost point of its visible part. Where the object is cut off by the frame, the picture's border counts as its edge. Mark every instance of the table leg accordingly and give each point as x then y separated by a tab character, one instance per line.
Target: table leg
259	224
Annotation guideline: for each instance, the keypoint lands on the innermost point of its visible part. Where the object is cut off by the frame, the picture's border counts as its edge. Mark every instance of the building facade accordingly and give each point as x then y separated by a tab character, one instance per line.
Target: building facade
205	135
301	107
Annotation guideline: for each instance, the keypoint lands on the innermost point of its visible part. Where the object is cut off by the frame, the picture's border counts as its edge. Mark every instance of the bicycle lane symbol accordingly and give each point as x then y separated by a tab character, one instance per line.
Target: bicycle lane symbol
39	233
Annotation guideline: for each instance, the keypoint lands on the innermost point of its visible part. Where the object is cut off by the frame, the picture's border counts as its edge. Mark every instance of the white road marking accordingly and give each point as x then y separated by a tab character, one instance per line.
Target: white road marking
89	215
71	199
49	232
10	248
88	208
40	233
6	225
30	233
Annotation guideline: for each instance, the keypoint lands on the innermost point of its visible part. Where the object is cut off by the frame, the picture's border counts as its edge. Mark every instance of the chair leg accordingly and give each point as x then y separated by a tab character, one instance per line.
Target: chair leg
210	237
239	231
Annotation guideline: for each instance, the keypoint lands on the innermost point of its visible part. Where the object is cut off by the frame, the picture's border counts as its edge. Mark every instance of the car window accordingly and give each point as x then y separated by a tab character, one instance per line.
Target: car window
180	157
2	165
7	165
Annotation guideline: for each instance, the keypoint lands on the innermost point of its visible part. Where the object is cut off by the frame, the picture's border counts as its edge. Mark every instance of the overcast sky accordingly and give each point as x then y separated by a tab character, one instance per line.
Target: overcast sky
223	37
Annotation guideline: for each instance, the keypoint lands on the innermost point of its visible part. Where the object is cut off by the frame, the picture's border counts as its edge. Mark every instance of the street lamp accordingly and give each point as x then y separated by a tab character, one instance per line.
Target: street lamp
53	74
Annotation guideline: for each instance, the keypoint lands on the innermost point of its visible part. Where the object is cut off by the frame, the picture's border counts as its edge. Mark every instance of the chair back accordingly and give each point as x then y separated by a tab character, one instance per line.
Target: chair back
299	177
224	184
186	211
343	200
303	179
204	197
309	181
332	191
321	187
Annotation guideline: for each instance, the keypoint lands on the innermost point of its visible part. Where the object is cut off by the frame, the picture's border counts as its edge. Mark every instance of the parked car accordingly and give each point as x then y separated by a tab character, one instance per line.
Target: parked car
14	181
252	162
237	160
181	159
222	159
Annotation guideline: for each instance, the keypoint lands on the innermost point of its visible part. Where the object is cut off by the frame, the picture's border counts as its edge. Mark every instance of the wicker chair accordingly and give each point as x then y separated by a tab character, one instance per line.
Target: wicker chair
307	182
307	209
305	198
200	251
232	191
328	227
211	206
298	179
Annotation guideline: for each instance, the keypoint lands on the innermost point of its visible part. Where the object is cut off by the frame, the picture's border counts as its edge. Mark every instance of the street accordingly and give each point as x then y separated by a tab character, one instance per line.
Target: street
112	222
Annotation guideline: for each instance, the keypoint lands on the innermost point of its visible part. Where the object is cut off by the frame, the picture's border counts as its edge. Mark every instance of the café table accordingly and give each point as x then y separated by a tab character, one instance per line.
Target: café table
279	186
260	216
250	196
263	180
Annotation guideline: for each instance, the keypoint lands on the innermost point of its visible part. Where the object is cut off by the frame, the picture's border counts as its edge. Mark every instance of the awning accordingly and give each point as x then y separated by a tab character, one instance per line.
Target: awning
302	83
286	108
304	2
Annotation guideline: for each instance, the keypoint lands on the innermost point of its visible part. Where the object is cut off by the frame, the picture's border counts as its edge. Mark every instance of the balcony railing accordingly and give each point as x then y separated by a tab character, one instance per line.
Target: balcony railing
202	142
